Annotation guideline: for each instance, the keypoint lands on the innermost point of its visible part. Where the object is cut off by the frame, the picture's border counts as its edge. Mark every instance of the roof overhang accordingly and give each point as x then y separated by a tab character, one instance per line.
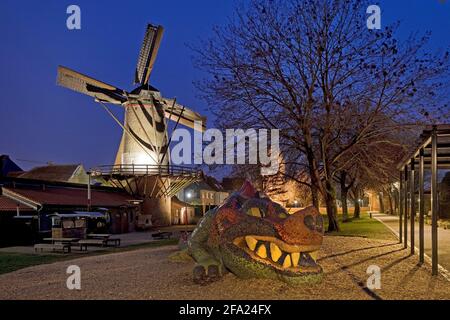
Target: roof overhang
21	199
424	147
79	214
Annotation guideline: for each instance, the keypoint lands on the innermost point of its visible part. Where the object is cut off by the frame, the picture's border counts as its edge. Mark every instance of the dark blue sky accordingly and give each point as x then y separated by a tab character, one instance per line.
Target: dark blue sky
43	122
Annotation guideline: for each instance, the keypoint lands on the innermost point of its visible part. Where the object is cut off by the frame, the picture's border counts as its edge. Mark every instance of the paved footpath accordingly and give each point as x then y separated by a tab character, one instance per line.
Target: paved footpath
443	238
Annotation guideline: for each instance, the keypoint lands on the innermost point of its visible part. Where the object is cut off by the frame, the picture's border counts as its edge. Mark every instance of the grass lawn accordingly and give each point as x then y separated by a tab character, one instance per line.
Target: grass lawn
363	227
13	261
10	262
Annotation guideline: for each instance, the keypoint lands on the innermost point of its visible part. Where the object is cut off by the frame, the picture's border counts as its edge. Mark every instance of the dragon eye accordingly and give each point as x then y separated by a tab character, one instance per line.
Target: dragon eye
310	223
255	212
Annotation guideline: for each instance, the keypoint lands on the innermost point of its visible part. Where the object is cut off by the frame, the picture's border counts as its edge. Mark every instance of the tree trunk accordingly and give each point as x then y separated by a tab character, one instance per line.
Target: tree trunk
357	212
397	201
344	197
330	200
391	206
380	196
315	196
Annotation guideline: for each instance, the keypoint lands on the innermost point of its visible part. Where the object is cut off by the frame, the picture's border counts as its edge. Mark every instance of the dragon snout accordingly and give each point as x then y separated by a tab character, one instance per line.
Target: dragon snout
304	227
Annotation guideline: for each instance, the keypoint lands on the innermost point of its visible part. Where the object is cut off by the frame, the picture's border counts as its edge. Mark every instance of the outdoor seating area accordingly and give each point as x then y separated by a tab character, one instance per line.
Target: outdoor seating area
65	245
40	247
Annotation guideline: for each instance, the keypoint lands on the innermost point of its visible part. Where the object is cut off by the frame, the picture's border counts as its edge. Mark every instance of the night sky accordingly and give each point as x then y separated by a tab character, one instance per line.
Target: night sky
43	122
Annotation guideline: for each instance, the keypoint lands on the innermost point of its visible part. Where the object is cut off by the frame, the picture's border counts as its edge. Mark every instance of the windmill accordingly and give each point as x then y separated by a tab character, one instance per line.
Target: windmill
142	164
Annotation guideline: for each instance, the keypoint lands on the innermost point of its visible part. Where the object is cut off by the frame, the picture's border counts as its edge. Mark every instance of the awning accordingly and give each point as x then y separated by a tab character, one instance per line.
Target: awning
79	214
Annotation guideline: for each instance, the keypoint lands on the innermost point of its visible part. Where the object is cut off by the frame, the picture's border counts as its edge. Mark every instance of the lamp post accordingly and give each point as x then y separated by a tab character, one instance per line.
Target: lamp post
89	192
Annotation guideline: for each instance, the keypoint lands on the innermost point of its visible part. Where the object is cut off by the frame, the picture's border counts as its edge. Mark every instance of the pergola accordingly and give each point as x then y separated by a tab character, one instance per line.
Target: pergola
432	153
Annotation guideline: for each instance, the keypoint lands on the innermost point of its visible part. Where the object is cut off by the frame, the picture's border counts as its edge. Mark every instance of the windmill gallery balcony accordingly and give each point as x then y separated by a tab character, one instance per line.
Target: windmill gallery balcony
148	180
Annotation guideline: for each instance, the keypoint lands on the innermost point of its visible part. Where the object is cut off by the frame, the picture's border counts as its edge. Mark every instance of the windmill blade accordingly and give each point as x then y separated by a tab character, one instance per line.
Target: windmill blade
81	83
148	53
176	112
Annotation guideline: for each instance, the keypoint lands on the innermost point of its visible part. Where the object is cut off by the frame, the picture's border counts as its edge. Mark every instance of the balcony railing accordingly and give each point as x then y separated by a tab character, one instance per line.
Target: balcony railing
144	169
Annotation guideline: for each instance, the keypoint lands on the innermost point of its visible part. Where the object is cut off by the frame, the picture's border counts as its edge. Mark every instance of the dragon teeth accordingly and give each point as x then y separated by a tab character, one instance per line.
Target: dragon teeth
262	251
251	242
265	249
287	262
295	257
275	252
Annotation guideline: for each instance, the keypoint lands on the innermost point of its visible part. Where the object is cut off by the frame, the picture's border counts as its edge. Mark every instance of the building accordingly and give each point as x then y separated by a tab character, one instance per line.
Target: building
72	173
26	207
7	166
15	230
182	212
204	195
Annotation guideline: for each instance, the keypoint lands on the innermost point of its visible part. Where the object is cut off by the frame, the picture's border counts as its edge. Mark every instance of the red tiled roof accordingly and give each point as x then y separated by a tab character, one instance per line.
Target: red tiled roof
73	196
7	204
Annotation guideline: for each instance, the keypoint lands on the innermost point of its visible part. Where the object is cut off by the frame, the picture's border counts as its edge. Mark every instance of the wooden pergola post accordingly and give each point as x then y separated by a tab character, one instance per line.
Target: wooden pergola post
405	231
434	204
431	154
400	200
412	214
421	206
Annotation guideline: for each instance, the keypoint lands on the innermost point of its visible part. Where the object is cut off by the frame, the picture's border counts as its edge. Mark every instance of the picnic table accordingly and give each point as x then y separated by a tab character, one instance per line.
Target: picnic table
63	244
101	238
64	247
68	241
99	235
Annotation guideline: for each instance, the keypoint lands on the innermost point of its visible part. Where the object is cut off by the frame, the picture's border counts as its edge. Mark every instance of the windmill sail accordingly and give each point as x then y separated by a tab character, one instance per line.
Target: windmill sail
148	53
81	83
186	116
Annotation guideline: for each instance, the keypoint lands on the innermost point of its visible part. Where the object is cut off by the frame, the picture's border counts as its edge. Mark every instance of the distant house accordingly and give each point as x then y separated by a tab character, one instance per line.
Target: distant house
13	229
7	166
204	195
29	205
182	212
72	173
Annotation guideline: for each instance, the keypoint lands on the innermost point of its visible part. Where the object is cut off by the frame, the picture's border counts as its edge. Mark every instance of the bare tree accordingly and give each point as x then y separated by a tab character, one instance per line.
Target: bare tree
314	70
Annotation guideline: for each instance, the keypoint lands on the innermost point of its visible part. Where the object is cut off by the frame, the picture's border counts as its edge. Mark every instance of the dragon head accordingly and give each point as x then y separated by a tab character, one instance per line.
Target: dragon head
256	237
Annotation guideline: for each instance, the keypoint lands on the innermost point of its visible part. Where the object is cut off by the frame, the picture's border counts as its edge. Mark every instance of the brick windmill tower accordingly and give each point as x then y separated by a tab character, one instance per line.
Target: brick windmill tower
142	165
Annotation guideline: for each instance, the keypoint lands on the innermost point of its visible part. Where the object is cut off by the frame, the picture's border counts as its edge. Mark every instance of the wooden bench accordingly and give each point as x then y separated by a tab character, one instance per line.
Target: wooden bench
91	242
53	247
162	235
115	241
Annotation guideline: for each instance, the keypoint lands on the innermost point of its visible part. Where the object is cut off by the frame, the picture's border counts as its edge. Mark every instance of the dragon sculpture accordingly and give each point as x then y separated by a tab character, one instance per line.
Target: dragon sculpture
254	237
